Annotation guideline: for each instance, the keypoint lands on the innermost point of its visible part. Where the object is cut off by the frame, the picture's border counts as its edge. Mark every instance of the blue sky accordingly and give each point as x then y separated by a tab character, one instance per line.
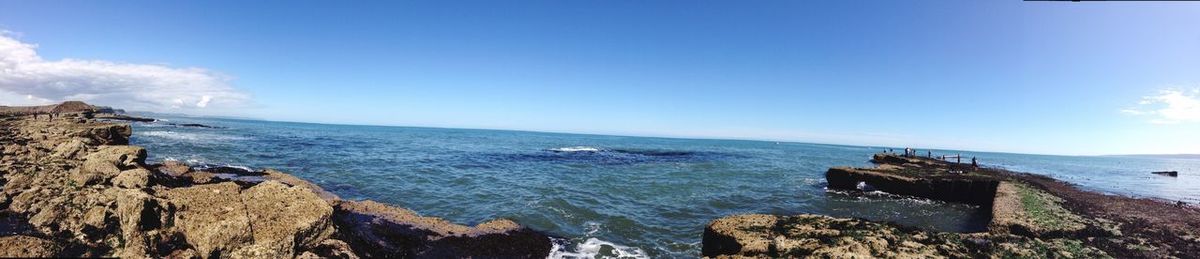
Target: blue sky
1031	77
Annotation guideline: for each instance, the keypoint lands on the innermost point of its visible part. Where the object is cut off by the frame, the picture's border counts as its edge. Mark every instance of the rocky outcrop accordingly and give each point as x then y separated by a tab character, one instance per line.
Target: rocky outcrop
72	188
1167	173
376	230
1031	216
935	185
816	236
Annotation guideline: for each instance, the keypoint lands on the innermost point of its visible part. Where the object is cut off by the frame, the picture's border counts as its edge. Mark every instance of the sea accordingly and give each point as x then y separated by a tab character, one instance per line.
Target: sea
611	196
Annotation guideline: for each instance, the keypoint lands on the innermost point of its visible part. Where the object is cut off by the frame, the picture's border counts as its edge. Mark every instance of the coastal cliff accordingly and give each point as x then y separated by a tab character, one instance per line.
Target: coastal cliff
73	187
1031	216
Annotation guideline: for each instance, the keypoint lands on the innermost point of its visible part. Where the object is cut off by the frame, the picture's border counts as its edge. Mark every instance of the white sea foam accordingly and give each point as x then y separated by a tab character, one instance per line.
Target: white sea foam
576	149
188	136
594	248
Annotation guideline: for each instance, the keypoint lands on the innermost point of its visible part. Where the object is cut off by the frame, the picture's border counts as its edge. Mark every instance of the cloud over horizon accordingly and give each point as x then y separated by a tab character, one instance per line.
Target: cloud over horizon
27	79
1170	106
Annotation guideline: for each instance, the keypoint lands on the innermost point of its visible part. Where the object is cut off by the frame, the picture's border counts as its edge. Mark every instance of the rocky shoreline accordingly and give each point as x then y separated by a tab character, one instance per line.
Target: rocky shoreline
1031	217
73	187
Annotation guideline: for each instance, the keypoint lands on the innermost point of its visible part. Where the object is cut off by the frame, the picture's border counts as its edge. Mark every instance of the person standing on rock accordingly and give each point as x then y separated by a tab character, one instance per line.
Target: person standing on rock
974	163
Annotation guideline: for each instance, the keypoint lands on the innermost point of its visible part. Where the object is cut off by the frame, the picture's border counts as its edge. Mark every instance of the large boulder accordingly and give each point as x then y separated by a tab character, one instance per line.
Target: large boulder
70	149
139	216
133	178
285	219
211	217
377	230
107	162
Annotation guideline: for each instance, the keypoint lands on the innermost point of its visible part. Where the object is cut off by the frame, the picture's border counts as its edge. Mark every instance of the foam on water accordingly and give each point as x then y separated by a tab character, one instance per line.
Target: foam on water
593	248
576	149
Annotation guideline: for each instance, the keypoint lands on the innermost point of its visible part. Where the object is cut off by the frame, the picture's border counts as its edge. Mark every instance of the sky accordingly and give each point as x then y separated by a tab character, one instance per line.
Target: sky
1028	77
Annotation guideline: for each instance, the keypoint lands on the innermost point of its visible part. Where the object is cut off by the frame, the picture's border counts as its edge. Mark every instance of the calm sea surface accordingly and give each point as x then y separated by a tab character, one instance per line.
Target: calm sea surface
609	195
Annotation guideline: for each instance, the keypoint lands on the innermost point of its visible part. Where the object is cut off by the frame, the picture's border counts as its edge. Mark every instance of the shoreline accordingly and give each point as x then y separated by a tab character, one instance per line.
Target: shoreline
73	187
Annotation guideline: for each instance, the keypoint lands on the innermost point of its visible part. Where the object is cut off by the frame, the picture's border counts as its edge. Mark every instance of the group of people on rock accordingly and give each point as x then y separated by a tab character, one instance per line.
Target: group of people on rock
910	152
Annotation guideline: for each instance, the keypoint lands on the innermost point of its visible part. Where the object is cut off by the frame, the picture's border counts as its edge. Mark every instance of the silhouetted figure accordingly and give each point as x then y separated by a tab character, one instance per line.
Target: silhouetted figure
974	163
958	159
929	154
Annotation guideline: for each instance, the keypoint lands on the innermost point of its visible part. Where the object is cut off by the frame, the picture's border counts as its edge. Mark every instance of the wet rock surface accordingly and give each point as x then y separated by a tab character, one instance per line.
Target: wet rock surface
71	188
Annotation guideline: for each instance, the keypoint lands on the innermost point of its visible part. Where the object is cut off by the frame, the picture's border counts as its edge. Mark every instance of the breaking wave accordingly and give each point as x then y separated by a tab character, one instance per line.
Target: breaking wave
593	248
575	149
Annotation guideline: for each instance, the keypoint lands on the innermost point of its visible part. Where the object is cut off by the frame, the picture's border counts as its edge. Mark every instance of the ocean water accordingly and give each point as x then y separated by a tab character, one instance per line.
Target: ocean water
609	196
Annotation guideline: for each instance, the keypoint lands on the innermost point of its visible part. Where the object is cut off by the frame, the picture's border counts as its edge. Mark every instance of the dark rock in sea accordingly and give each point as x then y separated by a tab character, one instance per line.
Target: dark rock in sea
932	185
122	117
194	125
1167	173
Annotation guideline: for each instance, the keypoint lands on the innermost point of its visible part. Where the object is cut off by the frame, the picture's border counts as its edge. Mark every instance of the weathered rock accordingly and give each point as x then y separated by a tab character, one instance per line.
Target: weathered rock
133	178
275	175
71	149
729	235
107	162
211	217
173	168
139	213
815	236
27	246
377	230
286	219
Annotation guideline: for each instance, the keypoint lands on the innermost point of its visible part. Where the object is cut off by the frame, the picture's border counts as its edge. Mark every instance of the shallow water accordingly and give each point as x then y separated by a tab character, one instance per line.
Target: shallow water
607	195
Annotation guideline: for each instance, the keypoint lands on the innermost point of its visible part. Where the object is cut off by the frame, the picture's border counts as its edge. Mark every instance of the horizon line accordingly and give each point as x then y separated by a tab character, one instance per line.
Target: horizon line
635	135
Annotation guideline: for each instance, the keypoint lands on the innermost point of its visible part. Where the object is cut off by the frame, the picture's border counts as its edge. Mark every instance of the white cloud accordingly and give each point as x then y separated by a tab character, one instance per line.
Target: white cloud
204	101
25	75
1169	106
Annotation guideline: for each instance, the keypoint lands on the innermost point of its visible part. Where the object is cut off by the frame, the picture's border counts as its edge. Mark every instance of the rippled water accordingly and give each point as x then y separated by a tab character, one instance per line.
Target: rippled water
606	195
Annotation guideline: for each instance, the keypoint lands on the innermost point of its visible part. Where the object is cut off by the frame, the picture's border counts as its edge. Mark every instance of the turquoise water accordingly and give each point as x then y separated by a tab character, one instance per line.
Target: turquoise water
642	197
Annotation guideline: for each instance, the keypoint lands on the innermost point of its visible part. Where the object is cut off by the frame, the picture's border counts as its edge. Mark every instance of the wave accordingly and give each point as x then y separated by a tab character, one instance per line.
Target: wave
188	136
594	248
576	149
